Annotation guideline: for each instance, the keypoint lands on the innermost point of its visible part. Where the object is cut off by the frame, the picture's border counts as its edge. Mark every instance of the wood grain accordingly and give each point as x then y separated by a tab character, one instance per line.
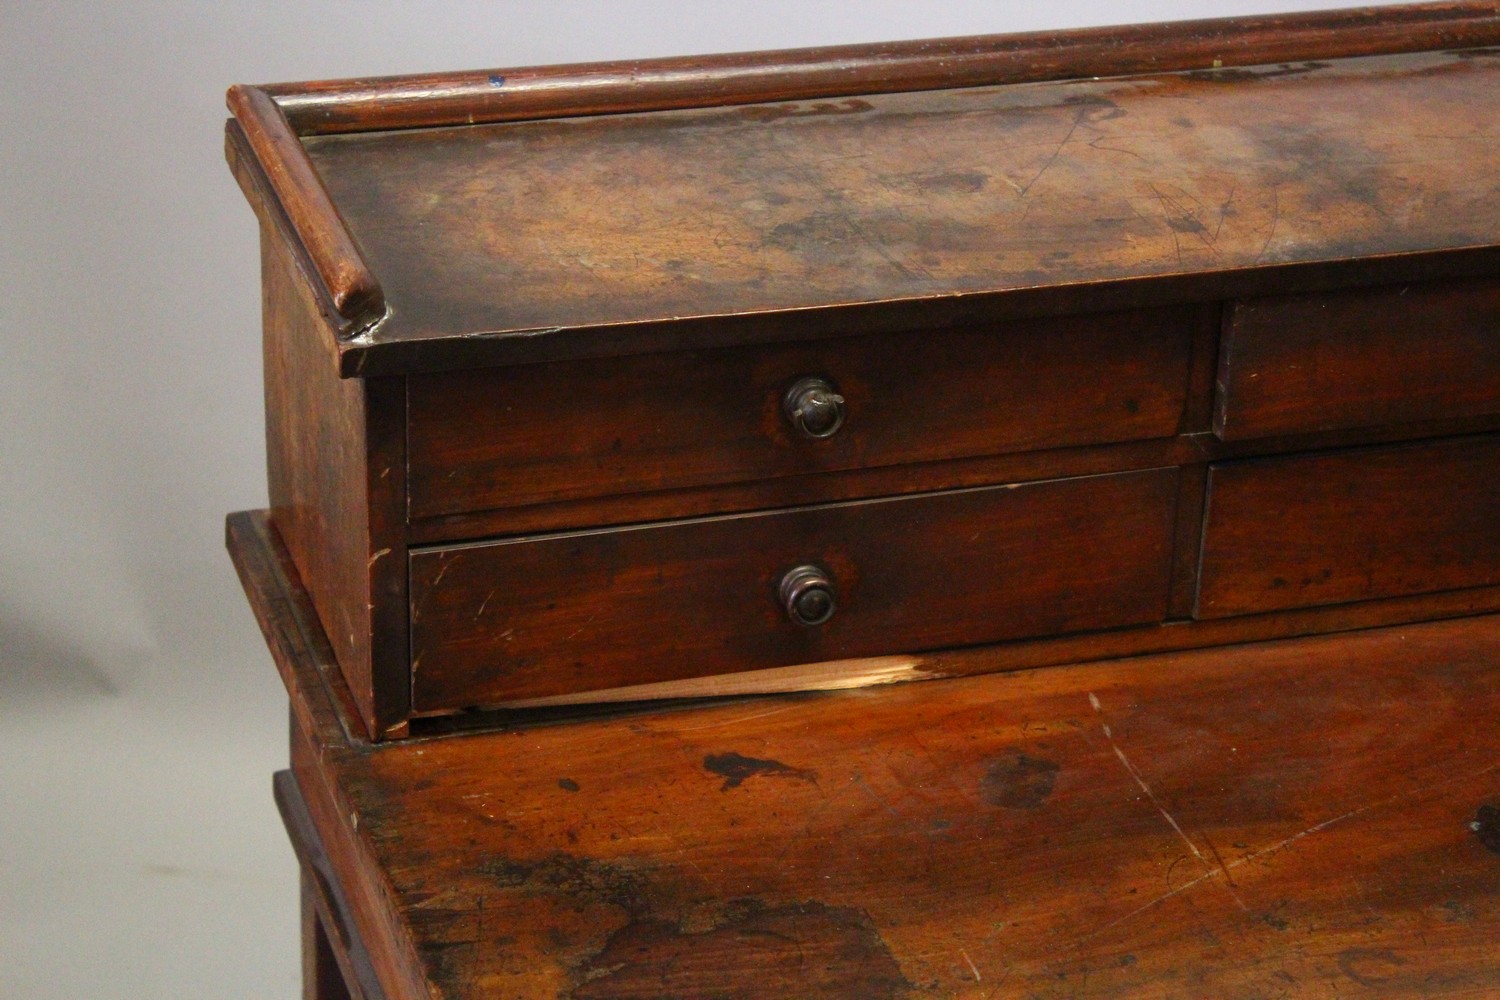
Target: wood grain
289	623
336	480
1368	357
833	486
533	434
343	277
536	617
426	100
1311	818
1333	527
584	235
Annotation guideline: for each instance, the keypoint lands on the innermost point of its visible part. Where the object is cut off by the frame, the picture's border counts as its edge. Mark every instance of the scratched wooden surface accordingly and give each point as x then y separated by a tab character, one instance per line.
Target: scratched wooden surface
1310	818
643	217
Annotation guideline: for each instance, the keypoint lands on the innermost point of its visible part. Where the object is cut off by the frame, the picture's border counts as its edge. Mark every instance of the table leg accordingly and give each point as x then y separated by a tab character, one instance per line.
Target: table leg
321	976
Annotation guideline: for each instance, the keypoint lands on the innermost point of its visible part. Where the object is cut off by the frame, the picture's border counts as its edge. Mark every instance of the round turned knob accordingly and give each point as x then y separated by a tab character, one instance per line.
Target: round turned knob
807	595
814	407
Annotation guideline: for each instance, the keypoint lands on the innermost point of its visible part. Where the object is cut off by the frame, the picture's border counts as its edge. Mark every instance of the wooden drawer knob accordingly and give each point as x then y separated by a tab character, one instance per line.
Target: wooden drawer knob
807	595
814	407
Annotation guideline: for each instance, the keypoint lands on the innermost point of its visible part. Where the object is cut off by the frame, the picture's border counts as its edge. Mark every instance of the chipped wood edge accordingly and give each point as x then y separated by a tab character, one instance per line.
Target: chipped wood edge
833	675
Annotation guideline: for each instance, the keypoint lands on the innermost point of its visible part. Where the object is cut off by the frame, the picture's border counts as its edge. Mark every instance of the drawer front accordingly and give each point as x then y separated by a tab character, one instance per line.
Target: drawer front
1351	526
1360	358
558	614
496	438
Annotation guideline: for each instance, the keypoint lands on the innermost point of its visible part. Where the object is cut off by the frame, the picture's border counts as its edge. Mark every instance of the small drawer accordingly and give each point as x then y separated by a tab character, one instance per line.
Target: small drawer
487	439
1361	358
1336	527
498	621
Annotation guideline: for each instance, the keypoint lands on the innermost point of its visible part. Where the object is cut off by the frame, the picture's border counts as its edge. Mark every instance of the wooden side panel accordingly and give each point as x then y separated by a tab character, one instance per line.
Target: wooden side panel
1351	526
541	433
336	471
546	616
1320	362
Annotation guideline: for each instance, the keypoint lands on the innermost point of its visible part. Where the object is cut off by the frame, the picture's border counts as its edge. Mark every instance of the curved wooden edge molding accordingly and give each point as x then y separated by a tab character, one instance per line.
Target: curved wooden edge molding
801	74
348	284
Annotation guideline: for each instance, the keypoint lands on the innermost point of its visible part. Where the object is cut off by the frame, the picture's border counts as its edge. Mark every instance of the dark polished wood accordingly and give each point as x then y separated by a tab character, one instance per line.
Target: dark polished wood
1313	816
531	434
1334	527
582	236
529	618
285	177
1369	357
267	571
427	100
621	464
1194	449
272	119
335	454
599	323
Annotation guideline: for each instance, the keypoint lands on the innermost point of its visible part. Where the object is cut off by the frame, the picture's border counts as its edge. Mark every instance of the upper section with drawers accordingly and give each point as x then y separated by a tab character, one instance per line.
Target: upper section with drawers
971	353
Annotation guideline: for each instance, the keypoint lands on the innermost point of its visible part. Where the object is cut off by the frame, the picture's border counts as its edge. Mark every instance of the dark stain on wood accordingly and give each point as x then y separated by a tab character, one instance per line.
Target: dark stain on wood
1370	967
1486	827
567	784
613	883
1019	781
772	112
467	226
736	769
750	951
1242	74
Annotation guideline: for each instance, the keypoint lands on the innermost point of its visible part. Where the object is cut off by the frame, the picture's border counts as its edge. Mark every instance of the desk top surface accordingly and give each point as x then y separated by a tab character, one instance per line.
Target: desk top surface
1306	818
655	217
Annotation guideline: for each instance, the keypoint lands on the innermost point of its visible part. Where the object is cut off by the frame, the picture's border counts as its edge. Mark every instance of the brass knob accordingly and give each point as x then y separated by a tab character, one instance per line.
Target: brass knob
814	407
807	595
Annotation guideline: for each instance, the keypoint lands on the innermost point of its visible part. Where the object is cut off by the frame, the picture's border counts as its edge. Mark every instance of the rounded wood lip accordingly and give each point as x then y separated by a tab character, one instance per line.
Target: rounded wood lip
269	122
508	94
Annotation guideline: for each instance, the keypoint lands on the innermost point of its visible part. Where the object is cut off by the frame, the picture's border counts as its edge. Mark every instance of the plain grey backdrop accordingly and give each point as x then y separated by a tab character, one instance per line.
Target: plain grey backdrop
140	717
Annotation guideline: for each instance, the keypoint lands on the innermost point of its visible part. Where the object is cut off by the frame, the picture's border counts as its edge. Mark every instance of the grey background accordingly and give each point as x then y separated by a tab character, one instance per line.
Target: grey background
140	717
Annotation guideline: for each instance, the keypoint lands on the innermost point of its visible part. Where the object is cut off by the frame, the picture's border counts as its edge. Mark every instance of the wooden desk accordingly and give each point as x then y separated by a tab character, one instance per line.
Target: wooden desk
804	373
1305	818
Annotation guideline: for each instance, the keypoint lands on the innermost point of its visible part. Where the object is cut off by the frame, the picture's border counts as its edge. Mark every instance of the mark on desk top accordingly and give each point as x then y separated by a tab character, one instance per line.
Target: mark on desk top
1486	827
567	784
736	768
1019	781
1369	966
805	949
583	880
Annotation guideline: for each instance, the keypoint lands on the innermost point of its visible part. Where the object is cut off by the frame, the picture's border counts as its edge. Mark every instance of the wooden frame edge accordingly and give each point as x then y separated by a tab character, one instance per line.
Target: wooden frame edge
425	100
345	280
289	623
272	119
